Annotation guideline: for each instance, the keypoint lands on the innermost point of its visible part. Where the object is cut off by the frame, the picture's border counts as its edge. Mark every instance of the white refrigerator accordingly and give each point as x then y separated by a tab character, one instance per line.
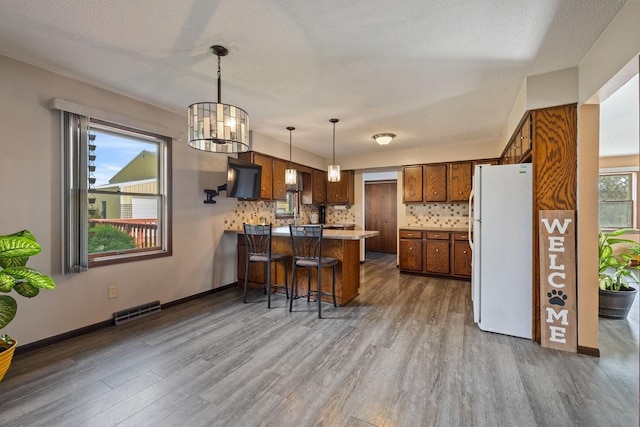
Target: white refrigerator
501	278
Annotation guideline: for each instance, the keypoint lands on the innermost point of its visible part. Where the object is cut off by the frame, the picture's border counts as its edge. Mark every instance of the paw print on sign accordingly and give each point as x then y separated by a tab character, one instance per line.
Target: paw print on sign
556	297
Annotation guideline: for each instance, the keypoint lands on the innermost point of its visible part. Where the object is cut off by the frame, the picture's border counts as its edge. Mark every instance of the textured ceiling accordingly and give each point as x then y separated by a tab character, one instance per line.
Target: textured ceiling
432	72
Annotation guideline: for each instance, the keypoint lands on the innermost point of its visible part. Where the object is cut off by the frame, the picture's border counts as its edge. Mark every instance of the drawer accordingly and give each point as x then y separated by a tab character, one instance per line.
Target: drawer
437	235
460	236
405	234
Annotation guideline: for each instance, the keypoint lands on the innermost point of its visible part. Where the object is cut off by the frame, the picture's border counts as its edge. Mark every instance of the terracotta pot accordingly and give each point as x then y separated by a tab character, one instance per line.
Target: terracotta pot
616	304
5	358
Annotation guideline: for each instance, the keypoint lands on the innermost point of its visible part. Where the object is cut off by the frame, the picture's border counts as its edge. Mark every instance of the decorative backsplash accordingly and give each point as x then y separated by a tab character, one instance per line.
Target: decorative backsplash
252	211
437	214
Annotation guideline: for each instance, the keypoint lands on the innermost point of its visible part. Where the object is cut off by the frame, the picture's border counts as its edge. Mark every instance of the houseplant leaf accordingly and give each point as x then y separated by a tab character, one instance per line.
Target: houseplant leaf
15	249
6	282
31	276
8	308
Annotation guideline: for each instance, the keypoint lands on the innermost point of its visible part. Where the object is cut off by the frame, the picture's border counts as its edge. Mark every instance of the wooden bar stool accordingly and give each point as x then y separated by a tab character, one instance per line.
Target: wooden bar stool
258	241
306	246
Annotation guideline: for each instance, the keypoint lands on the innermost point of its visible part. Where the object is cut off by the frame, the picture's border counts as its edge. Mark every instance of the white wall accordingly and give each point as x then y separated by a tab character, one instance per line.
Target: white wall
30	164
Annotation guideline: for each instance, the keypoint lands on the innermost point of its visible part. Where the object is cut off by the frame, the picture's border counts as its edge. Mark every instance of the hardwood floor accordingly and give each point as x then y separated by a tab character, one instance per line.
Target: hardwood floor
404	353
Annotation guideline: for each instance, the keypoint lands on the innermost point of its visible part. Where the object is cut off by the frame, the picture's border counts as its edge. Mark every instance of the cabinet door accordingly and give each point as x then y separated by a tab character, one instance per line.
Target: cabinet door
412	184
342	191
437	256
435	183
411	254
279	186
460	186
461	257
266	178
319	186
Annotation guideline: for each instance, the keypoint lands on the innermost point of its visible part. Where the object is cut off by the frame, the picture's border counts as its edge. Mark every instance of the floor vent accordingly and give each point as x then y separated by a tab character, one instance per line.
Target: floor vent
136	312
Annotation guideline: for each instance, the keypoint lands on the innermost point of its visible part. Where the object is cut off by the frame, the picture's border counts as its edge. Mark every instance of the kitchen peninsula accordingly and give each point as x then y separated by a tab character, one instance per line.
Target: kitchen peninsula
344	245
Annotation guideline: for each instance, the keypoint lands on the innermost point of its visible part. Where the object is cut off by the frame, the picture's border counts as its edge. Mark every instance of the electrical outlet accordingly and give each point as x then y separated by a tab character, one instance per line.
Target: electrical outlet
112	292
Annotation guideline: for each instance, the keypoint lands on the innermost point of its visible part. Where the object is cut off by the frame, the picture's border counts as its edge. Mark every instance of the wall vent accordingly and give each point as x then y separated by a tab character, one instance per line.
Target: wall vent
133	313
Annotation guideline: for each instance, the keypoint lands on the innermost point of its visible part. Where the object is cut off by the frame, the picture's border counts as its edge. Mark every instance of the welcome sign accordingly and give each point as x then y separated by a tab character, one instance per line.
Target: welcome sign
558	280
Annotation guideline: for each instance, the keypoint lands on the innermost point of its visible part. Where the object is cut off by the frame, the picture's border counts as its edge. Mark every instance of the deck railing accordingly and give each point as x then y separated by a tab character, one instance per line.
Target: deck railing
143	230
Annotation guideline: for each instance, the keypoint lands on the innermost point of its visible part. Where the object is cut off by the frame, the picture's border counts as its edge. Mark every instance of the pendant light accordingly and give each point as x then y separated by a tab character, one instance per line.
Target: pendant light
333	171
216	127
290	174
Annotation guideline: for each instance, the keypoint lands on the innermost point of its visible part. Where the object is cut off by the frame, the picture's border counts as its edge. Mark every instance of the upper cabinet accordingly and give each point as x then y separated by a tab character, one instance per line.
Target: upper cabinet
279	186
440	182
519	148
435	183
343	191
318	187
266	179
412	184
460	182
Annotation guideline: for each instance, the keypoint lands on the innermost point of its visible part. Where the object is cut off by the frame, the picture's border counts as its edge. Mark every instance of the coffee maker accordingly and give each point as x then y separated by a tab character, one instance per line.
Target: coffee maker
322	214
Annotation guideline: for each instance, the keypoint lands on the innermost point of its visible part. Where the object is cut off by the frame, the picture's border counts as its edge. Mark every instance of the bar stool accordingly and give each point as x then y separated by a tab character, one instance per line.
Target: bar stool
258	241
306	246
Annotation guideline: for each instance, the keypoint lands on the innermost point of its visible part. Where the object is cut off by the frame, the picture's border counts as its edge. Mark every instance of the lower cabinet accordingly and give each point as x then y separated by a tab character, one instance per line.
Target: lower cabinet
461	255
435	253
411	251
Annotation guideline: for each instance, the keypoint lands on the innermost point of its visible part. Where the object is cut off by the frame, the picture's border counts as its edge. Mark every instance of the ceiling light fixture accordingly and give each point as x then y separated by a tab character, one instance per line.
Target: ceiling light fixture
384	138
217	127
333	171
290	175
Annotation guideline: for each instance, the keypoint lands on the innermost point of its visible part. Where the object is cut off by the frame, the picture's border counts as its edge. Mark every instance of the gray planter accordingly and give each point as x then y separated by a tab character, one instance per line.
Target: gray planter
616	304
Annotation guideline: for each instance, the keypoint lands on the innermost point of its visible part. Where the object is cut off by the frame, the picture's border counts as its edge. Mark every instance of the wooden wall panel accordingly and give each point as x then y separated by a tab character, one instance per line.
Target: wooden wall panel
554	134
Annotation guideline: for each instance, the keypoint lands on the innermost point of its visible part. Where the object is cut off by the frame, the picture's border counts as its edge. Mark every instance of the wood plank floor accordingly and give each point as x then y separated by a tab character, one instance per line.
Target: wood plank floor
404	353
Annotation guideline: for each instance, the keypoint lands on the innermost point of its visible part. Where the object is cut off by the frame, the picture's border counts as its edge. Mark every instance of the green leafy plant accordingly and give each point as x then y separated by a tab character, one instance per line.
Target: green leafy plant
15	250
105	238
615	270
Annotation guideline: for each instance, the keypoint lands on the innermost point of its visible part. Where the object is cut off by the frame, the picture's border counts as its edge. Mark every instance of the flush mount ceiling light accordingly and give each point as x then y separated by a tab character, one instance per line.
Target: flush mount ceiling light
384	138
333	171
216	127
290	175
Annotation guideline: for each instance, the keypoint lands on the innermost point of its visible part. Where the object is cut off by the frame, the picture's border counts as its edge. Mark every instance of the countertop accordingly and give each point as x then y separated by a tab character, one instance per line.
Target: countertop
454	228
335	234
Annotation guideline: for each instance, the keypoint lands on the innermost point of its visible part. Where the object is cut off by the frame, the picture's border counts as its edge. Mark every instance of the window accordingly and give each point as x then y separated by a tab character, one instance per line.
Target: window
616	200
117	206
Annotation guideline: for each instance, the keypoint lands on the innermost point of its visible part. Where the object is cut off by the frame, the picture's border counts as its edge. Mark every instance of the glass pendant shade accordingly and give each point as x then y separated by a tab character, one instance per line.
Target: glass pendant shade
290	177
333	173
290	174
216	127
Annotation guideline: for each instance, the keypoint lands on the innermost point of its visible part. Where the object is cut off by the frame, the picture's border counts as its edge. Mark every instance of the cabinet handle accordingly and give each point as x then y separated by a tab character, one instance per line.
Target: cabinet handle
464	252
460	191
437	250
435	192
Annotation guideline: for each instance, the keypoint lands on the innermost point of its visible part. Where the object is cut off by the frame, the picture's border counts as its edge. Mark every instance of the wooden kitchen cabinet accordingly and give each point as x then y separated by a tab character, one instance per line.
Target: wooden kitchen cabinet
412	184
279	186
435	253
266	178
461	262
411	255
460	182
437	247
318	187
343	191
435	182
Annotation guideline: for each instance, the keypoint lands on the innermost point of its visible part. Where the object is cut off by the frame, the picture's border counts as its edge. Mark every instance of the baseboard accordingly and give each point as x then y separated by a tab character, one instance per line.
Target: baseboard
589	351
21	349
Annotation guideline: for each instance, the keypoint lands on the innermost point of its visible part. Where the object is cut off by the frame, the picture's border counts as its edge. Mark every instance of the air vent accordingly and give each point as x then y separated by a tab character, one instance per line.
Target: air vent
133	313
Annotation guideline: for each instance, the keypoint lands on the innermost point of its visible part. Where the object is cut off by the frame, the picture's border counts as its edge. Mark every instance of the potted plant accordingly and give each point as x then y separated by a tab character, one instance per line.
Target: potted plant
616	273
15	250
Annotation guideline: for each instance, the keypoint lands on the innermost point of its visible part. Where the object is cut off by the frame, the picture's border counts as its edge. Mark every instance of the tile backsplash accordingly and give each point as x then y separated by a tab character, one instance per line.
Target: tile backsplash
251	212
437	214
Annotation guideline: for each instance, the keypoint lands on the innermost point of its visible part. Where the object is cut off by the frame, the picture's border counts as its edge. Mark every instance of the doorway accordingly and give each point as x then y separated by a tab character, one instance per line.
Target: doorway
380	200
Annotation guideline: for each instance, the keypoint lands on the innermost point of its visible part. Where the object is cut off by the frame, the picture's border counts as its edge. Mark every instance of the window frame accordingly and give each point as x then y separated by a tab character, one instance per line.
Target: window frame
76	129
633	173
